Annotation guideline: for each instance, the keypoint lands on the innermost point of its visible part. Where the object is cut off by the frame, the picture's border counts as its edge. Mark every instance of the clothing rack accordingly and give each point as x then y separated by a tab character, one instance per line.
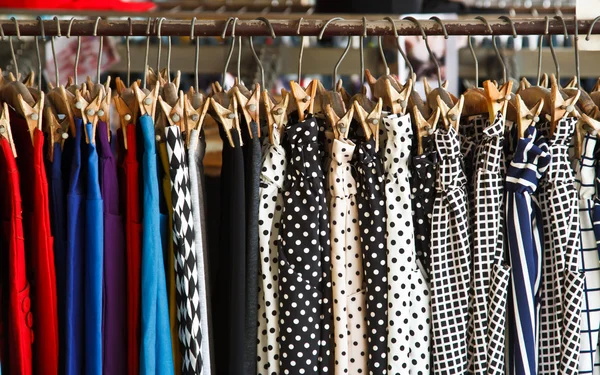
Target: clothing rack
301	27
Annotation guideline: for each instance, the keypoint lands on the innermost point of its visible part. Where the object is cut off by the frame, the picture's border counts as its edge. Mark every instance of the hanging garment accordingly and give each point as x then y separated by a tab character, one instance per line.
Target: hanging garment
305	316
17	320
195	157
58	224
156	356
562	284
252	161
371	209
524	233
94	262
349	306
408	293
129	184
169	256
114	322
230	286
186	267
488	305
271	202
589	260
423	195
76	226
39	253
450	259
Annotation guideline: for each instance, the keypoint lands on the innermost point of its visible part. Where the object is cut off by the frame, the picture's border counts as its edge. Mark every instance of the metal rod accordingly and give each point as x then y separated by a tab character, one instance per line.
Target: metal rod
532	26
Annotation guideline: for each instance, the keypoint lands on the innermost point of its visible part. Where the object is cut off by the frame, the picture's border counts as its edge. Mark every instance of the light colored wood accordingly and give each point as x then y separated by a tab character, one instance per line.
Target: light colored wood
57	131
451	116
90	114
396	100
342	91
5	131
369	119
526	116
146	100
250	105
276	113
174	114
425	127
304	98
227	117
340	125
104	111
33	114
497	99
560	107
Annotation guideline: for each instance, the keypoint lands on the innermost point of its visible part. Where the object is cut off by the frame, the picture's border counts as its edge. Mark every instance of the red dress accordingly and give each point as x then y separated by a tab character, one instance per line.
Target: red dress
18	320
129	186
39	247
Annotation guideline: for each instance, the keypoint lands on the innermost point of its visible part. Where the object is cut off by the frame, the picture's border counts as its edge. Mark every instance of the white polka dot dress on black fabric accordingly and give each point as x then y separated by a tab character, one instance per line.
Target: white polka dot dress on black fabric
450	260
349	324
562	283
371	211
408	292
271	202
487	336
305	314
186	268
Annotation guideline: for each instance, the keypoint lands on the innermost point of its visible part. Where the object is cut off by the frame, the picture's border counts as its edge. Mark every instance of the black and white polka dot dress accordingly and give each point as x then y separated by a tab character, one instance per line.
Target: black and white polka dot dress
269	216
408	292
371	212
305	314
350	329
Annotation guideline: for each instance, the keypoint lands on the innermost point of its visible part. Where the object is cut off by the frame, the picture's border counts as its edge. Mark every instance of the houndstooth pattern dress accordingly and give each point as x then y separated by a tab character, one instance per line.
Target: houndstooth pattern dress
408	292
450	260
188	298
562	284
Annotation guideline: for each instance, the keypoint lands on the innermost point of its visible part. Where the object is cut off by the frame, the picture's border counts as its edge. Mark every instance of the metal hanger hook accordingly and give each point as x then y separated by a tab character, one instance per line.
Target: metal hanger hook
441	23
301	54
362	51
269	25
512	26
431	55
56	73
128	52
256	58
37	51
339	62
589	34
12	48
99	49
160	21
496	50
75	68
147	50
552	51
234	20
410	68
576	45
197	52
540	45
327	24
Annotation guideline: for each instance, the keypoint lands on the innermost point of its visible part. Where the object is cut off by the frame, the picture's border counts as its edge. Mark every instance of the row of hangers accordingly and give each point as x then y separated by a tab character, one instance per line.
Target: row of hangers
91	101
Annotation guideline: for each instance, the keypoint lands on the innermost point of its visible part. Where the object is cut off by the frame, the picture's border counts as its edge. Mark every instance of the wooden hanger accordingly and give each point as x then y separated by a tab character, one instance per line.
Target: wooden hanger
369	117
175	114
194	118
425	127
450	116
526	116
104	111
32	114
5	131
340	125
250	105
497	99
127	107
63	102
90	114
560	107
276	113
57	131
304	98
146	99
228	117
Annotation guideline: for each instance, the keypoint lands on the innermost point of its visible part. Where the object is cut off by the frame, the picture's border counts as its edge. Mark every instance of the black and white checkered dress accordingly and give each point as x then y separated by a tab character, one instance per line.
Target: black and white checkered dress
562	284
188	297
450	259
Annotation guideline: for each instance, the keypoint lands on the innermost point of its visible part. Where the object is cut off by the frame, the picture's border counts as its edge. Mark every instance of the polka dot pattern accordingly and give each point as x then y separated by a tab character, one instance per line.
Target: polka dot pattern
408	294
269	216
350	329
305	315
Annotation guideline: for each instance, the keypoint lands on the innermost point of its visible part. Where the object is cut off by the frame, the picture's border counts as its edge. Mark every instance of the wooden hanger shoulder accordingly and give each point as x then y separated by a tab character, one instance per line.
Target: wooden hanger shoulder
5	131
174	114
340	125
560	107
33	114
194	117
425	127
304	98
497	98
90	115
526	116
276	113
146	100
227	117
250	105
451	116
396	100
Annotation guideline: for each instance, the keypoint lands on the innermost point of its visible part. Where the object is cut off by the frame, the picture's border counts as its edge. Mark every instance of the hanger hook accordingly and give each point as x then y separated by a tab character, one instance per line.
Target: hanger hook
382	54
431	55
147	50
576	45
475	60
321	33
512	26
339	62
410	68
37	51
160	21
327	24
256	58
362	51
540	45
99	49
78	50
301	54
128	52
234	20
496	50
553	52
441	23
197	53
589	34
269	25
12	48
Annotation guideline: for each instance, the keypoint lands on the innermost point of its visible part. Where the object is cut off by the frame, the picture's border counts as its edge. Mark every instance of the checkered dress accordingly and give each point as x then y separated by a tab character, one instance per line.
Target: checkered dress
589	262
488	305
186	268
562	284
524	233
450	260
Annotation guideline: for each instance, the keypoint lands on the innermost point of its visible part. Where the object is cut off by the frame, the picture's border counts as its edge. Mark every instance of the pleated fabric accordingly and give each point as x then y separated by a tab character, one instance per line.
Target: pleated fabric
305	316
114	346
562	284
186	267
269	217
76	225
349	309
487	335
409	314
589	261
38	244
195	157
155	354
450	259
372	223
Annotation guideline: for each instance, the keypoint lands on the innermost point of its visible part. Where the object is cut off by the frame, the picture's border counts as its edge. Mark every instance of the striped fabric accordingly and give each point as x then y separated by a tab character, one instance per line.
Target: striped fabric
524	233
589	262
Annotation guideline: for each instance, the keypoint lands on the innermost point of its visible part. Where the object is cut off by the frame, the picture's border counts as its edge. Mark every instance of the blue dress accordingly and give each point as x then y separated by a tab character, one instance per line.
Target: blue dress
156	356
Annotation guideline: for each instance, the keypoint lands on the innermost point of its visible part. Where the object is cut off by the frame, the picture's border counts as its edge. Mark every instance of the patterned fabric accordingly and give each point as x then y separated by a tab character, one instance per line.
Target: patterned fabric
186	268
305	316
589	261
371	206
560	306
408	292
423	195
450	259
271	201
349	325
488	256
